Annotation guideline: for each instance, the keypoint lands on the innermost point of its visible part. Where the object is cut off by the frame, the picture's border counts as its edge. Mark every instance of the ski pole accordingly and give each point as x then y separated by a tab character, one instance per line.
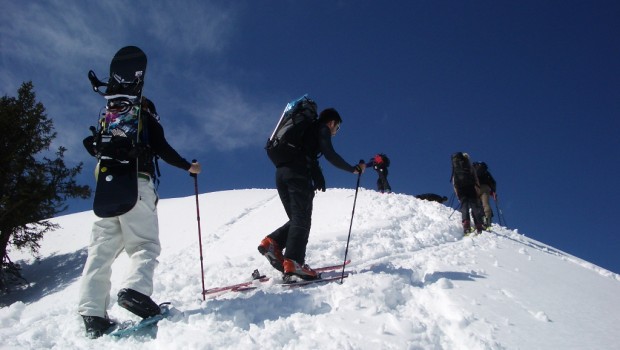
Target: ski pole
450	204
455	209
202	273
346	251
500	215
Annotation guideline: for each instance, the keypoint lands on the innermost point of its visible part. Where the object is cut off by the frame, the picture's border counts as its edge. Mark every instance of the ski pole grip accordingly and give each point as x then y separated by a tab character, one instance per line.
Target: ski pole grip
194	161
358	168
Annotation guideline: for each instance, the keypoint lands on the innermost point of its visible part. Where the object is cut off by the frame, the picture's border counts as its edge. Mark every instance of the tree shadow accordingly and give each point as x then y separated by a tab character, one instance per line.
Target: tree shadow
46	276
450	275
418	280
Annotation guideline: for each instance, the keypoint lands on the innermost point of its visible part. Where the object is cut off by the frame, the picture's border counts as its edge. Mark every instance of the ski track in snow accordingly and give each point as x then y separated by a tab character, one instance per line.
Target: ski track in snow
417	284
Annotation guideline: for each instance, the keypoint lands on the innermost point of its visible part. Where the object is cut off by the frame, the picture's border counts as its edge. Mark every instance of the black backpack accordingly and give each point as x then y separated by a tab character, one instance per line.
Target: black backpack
286	142
482	170
124	136
484	177
461	171
386	160
118	134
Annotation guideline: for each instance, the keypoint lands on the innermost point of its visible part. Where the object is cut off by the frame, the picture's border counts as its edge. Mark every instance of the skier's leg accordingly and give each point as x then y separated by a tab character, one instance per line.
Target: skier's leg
141	235
485	192
280	235
105	245
301	195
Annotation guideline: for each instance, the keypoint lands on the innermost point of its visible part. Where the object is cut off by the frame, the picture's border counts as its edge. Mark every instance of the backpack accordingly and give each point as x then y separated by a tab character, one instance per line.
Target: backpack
386	160
381	161
484	177
286	142
124	135
461	171
482	171
119	130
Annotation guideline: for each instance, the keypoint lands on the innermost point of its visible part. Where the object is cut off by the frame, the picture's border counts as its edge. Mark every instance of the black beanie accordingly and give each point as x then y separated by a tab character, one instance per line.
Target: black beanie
330	114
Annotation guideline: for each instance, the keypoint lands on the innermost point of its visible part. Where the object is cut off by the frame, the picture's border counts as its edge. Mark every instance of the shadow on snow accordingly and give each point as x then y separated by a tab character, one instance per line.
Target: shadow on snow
46	276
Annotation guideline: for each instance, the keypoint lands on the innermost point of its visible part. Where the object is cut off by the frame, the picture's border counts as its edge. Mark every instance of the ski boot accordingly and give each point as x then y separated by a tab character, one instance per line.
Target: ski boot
137	303
293	269
270	250
97	326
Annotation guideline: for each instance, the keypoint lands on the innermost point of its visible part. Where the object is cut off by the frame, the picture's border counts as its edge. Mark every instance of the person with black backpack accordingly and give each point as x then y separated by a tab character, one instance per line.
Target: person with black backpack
380	162
467	189
488	188
298	176
136	232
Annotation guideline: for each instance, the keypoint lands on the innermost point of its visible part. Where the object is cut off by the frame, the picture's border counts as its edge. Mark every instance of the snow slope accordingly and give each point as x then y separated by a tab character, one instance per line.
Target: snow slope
417	284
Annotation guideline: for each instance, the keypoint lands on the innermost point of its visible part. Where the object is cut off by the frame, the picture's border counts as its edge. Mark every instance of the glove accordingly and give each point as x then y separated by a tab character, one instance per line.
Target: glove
359	168
317	178
89	145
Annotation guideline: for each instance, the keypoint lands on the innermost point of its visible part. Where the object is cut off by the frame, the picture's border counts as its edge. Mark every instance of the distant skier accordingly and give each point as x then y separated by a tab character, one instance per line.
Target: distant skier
380	162
488	188
467	189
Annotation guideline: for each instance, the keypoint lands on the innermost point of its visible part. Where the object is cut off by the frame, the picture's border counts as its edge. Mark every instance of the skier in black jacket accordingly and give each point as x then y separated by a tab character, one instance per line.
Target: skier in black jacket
467	190
296	182
380	162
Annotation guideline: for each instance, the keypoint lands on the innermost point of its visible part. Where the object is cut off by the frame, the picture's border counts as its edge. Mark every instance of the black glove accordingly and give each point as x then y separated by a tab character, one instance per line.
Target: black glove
317	178
90	146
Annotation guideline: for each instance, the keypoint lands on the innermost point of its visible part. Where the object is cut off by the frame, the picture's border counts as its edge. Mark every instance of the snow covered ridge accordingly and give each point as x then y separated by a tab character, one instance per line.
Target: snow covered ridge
417	284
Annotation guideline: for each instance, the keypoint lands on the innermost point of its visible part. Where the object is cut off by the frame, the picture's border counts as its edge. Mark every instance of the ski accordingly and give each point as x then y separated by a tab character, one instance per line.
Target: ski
259	278
302	283
332	267
130	327
256	277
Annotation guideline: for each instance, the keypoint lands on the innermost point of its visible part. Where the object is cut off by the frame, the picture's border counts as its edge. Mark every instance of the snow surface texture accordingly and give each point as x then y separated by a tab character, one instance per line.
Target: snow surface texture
417	283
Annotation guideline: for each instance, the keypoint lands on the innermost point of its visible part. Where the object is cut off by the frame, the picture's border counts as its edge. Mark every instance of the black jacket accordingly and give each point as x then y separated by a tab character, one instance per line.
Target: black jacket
317	141
158	145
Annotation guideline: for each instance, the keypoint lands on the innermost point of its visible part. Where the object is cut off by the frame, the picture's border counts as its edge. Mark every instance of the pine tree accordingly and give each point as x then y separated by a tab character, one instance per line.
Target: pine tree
33	187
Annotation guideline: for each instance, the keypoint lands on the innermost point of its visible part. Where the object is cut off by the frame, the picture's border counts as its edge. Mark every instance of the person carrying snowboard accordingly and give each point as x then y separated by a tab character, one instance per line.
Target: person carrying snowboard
136	232
467	190
296	181
488	189
380	163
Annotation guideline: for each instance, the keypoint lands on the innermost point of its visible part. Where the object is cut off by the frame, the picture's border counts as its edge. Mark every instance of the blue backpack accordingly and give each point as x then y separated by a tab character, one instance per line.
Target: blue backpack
286	142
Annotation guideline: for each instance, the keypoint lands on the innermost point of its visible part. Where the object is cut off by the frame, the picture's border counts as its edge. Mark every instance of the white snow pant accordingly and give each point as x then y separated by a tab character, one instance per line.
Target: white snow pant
137	232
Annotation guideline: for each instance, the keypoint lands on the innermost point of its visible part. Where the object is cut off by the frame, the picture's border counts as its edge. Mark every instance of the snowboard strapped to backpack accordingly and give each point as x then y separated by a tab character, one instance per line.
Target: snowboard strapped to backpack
117	142
286	141
461	171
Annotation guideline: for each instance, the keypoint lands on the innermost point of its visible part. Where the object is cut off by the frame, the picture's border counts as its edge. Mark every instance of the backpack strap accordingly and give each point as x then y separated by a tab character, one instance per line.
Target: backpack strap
144	138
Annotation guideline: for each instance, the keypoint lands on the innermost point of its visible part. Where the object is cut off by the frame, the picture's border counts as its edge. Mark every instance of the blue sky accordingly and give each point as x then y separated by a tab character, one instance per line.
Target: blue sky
530	87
